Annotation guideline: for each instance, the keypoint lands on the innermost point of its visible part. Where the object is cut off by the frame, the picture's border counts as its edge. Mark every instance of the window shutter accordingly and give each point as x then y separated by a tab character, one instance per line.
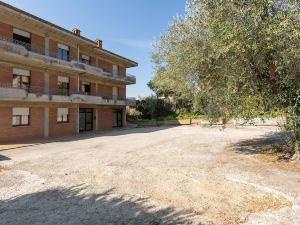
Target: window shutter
62	46
86	57
21	72
21	111
21	32
63	79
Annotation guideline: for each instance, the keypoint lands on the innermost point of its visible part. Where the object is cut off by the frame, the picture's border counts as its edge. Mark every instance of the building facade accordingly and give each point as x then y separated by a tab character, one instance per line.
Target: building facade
55	82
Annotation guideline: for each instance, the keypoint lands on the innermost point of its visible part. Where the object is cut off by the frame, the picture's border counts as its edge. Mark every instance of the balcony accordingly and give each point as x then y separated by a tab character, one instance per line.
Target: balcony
130	79
40	94
32	55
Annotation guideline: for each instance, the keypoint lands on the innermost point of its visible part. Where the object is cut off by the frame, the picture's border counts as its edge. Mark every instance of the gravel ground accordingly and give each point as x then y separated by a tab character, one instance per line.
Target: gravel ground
151	176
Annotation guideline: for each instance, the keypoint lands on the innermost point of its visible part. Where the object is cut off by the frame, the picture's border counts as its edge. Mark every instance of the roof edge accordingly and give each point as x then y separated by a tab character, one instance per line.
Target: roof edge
66	31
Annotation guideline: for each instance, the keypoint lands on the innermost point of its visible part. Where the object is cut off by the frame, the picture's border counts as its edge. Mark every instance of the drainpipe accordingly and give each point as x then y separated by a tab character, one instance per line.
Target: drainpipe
77	121
78	53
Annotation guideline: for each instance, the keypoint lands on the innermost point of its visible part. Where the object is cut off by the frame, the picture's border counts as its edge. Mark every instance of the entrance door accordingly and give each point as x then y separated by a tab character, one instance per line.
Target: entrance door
85	120
117	118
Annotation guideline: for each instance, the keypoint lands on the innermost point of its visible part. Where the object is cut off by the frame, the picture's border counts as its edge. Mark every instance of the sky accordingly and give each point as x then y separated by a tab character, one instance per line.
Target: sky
127	27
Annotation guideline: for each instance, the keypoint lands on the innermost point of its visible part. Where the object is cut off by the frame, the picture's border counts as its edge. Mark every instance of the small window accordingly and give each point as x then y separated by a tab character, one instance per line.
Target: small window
62	52
86	88
21	37
62	115
115	70
62	85
86	59
20	117
21	78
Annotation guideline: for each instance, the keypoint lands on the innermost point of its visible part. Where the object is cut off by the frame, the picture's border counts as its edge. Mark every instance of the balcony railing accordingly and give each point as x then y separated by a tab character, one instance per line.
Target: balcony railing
39	91
130	78
47	52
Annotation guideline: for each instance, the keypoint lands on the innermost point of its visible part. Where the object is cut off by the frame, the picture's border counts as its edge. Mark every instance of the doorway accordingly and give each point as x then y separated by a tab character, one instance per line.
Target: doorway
85	120
117	118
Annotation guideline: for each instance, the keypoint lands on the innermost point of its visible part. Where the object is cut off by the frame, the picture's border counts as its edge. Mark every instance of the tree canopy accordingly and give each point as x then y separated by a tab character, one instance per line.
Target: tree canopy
227	58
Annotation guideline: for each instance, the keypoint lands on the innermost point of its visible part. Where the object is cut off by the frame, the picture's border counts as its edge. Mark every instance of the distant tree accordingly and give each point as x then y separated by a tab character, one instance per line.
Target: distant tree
232	58
152	108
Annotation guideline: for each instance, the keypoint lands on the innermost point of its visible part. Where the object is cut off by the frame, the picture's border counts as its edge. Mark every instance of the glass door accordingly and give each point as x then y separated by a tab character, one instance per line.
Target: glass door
117	118
85	120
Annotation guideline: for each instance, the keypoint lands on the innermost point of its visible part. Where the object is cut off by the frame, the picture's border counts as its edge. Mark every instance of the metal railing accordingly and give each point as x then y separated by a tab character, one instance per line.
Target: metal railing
57	91
47	52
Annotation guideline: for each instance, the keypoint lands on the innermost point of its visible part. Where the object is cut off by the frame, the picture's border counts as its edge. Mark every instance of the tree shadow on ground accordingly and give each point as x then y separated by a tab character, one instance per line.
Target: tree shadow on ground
257	145
3	158
71	206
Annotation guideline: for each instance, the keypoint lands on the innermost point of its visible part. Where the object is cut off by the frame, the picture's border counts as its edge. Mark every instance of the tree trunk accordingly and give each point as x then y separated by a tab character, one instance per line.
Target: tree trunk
296	156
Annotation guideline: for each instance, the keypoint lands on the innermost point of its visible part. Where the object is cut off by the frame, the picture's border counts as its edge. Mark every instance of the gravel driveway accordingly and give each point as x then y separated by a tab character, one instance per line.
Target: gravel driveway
165	175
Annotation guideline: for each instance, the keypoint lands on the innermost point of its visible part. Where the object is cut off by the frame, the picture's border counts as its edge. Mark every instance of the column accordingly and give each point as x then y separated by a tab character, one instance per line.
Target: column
46	82
124	117
97	120
46	122
47	46
77	119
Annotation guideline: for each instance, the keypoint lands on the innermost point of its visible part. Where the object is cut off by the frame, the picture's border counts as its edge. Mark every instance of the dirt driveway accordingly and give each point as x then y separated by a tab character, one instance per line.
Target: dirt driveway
167	175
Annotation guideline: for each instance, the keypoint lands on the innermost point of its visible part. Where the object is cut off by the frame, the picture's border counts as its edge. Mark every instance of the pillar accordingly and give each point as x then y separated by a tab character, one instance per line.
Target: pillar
46	122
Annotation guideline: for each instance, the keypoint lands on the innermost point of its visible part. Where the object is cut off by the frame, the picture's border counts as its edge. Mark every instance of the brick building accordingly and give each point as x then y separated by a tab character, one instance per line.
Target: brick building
55	82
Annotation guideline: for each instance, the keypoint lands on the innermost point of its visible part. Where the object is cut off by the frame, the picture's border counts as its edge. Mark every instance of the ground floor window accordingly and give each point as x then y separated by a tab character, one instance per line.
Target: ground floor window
20	117
62	115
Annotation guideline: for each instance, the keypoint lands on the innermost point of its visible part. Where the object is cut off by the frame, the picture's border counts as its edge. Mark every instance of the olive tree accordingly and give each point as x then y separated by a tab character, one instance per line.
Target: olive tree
232	58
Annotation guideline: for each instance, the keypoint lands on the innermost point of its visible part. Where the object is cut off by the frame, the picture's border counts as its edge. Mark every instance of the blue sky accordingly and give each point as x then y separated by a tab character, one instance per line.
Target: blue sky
127	27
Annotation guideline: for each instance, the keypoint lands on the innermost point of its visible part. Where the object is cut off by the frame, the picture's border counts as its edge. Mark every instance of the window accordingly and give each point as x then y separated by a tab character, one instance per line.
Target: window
21	78
62	52
115	70
86	88
20	117
62	85
21	37
86	59
62	115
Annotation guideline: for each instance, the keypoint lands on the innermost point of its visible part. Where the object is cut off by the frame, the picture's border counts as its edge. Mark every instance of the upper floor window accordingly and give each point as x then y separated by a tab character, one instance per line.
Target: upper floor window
86	88
62	115
22	38
20	117
62	52
63	85
115	70
86	59
21	78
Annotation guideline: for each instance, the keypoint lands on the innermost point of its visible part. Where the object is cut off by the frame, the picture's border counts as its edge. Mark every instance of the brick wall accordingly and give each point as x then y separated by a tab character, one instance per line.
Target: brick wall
8	133
93	61
105	90
38	43
73	53
53	48
6	30
5	74
104	119
122	92
62	129
36	78
122	71
107	66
